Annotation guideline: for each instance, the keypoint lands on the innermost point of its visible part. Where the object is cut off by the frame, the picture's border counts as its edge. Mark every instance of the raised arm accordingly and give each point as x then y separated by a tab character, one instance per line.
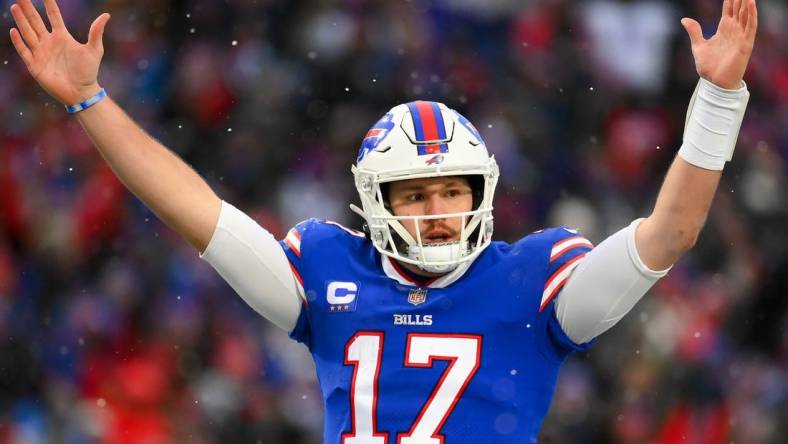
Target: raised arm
68	71
243	253
619	271
709	138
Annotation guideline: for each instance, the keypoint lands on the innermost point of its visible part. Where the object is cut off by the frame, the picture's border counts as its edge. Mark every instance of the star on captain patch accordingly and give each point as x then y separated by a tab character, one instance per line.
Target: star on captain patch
417	296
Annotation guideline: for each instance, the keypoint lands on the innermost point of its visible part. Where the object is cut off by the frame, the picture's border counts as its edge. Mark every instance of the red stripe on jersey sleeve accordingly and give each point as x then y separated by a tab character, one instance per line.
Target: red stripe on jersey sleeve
558	287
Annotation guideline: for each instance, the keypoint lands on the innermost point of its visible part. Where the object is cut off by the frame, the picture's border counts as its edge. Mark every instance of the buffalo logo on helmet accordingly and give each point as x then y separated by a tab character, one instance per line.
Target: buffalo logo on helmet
469	126
435	160
375	135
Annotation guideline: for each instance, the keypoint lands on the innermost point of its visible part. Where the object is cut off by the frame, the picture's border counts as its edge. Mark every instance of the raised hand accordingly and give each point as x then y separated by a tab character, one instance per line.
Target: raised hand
65	68
723	58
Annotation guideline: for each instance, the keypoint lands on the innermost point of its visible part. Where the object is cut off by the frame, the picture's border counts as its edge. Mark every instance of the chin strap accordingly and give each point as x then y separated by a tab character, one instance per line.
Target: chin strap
354	208
437	253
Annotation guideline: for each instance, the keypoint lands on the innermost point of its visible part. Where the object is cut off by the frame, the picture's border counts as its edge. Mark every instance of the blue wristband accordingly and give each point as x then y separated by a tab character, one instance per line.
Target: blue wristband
87	103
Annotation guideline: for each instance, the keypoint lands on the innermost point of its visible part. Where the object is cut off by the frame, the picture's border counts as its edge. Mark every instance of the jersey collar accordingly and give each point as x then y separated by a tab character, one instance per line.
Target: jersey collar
393	271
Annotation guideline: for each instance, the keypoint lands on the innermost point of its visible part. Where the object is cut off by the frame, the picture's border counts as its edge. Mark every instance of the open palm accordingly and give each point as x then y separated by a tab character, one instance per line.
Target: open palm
723	58
65	68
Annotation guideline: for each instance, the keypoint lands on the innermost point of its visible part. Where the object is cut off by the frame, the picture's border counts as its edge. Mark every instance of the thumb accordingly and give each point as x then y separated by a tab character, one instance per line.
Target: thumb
693	29
96	33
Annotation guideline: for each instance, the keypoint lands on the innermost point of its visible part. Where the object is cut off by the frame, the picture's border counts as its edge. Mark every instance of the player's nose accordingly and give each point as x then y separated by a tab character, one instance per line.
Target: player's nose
435	204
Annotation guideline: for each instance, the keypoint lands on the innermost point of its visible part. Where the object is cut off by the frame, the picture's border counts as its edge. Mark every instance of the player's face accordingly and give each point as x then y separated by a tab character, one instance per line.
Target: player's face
430	196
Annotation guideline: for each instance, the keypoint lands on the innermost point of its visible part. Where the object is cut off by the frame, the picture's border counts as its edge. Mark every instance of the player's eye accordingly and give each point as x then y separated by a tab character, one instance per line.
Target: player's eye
415	197
455	192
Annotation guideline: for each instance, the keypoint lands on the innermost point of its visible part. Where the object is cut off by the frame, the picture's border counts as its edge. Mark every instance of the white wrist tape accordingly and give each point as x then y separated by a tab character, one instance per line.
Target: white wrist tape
713	121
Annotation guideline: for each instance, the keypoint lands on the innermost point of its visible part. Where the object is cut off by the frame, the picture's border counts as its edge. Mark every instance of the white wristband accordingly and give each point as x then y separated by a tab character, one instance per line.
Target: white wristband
713	121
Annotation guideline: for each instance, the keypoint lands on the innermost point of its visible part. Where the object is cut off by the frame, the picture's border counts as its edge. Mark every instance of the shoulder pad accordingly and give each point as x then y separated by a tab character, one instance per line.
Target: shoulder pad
315	231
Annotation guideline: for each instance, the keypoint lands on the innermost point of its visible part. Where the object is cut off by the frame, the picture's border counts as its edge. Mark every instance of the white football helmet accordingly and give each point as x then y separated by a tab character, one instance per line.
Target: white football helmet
418	140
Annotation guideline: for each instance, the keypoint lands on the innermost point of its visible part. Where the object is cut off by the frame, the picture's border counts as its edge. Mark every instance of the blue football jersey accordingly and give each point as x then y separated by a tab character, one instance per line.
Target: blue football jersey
471	357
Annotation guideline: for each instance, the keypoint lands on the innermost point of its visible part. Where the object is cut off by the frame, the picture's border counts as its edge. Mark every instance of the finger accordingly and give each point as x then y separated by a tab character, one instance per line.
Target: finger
735	8
727	8
743	10
33	17
744	14
96	33
752	21
53	12
24	26
20	47
693	30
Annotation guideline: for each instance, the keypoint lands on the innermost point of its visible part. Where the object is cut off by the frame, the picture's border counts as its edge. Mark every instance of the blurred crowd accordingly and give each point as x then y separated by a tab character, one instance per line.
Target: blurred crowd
112	330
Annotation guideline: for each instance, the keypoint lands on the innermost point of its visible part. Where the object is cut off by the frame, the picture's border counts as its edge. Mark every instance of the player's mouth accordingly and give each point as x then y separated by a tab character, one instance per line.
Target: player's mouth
438	237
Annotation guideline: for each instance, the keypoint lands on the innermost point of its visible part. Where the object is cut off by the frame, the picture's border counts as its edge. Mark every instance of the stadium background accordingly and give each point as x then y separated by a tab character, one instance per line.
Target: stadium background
113	331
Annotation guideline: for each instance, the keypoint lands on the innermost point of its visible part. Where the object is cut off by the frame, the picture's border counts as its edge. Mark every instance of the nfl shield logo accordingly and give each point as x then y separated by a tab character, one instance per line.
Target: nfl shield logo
417	296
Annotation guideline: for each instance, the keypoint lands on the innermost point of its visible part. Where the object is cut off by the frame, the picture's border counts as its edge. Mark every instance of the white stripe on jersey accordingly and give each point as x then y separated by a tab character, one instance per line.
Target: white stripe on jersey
558	279
293	240
561	247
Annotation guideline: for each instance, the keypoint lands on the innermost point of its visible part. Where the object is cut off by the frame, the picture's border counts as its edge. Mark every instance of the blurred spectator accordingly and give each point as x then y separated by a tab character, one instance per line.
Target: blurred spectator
629	41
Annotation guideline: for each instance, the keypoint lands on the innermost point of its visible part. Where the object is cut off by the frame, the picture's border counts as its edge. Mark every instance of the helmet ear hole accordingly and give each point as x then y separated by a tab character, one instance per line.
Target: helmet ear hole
476	182
385	187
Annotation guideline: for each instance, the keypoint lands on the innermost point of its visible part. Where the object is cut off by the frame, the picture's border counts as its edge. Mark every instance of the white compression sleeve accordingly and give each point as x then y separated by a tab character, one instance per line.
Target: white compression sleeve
604	287
254	264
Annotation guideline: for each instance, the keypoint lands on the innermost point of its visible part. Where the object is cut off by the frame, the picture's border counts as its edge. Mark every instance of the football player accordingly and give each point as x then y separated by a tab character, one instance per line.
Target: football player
423	329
